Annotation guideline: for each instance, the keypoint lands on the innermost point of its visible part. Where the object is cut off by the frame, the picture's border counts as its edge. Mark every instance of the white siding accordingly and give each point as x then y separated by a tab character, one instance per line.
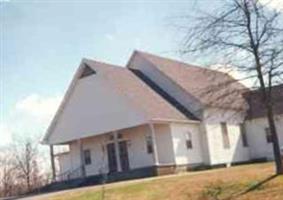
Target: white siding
64	162
217	153
99	161
98	155
257	137
183	155
137	152
75	155
138	156
170	141
171	144
164	143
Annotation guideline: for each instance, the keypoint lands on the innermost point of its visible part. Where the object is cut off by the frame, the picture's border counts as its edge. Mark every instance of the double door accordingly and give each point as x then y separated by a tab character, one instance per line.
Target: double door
122	156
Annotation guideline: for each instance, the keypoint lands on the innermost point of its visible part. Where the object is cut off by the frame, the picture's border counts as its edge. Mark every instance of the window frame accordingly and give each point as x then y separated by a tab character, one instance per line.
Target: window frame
189	140
243	132
149	144
87	157
268	135
225	135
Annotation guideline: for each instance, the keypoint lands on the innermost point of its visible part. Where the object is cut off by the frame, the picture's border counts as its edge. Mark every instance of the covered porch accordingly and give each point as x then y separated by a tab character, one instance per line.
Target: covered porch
139	149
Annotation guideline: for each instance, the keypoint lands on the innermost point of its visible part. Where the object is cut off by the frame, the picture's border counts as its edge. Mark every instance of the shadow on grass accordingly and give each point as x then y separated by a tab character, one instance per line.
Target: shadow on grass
258	185
254	186
224	191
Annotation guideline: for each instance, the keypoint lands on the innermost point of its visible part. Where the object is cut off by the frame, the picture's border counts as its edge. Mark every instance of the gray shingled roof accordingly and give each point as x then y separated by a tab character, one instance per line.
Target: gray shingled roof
136	91
210	87
257	108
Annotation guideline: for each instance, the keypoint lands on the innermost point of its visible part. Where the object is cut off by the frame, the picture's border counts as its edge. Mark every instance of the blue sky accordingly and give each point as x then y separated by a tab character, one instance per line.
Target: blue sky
43	42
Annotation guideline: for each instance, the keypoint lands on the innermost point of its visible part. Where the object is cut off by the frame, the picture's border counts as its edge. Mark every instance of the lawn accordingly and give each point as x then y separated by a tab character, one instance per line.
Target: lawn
246	182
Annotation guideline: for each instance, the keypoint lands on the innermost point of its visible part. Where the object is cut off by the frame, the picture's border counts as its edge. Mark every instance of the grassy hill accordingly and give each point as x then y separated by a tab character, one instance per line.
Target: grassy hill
246	182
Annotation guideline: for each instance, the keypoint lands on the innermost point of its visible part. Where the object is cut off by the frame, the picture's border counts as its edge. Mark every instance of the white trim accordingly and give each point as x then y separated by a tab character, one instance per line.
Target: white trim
155	120
117	151
131	59
63	103
82	162
168	120
61	153
155	153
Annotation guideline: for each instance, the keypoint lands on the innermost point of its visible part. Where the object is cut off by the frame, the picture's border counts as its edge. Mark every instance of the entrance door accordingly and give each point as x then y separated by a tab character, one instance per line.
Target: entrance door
124	159
112	162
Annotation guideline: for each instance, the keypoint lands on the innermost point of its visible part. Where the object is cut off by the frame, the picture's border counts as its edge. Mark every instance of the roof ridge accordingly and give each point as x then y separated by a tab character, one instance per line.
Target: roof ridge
102	63
141	53
179	61
162	57
185	78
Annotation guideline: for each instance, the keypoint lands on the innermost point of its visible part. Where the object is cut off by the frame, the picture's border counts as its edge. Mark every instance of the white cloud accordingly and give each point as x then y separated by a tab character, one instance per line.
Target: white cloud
273	4
38	106
29	117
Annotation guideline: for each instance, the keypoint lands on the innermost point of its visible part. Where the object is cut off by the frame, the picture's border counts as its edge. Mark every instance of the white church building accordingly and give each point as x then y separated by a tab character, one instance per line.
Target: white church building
157	116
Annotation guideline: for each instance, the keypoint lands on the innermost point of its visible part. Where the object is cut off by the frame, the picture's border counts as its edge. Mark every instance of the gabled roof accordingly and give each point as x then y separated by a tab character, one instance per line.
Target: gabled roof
142	97
210	87
257	108
132	103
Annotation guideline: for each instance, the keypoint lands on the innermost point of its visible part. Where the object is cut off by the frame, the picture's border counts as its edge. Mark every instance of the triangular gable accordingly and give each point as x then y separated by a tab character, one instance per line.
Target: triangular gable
87	71
91	107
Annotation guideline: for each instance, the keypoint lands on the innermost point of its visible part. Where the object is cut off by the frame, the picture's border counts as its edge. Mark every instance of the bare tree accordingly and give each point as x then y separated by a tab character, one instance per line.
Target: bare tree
6	175
25	154
247	36
22	167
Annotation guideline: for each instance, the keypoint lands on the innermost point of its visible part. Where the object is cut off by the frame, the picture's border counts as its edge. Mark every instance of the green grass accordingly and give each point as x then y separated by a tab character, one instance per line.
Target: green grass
241	183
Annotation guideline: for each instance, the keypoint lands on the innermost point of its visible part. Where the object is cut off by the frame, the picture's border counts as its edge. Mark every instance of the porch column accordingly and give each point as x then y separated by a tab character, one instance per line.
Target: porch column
155	153
82	163
52	162
117	150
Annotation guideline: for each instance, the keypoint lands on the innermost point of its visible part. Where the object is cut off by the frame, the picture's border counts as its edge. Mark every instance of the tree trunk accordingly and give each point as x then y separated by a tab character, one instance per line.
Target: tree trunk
275	141
267	100
28	183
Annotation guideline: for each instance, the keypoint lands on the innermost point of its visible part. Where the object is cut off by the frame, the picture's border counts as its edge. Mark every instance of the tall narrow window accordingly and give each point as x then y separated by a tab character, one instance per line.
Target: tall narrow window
226	141
268	135
87	157
189	143
244	135
149	144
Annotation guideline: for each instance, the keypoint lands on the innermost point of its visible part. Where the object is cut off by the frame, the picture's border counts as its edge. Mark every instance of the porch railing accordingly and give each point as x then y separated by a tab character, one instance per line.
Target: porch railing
70	174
